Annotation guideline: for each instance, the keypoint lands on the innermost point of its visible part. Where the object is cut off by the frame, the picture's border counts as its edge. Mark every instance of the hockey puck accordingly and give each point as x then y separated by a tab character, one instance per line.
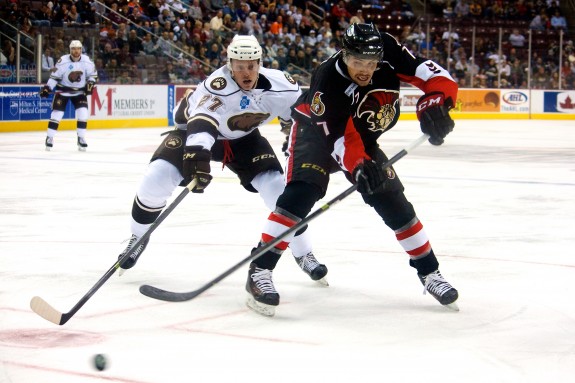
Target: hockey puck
100	362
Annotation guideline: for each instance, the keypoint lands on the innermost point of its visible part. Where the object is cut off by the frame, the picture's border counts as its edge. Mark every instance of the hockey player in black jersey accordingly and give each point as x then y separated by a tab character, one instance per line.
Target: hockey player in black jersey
352	100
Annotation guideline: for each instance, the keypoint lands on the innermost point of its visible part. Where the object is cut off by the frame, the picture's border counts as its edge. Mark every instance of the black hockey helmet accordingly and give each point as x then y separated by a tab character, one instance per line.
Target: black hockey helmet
363	40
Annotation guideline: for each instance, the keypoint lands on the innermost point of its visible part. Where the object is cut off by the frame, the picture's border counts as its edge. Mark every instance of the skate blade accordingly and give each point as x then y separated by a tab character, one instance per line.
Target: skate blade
121	271
452	306
323	282
260	308
81	149
48	148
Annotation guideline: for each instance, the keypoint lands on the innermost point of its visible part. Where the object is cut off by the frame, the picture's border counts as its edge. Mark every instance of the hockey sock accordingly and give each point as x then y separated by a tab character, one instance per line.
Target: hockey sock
416	244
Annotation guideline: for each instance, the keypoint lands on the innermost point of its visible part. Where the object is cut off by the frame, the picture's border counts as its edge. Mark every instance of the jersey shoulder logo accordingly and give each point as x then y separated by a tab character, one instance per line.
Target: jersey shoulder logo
173	142
218	83
317	107
75	75
289	78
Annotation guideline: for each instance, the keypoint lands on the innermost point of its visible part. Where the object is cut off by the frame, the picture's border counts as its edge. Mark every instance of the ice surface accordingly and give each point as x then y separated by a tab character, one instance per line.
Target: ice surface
496	200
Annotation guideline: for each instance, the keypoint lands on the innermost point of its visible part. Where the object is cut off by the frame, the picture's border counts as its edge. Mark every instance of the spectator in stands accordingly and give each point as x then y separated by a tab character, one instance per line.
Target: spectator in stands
102	74
517	74
59	49
476	10
253	26
462	9
276	28
516	39
216	23
47	64
216	5
148	45
339	10
43	16
558	21
73	17
311	39
87	11
504	69
357	18
134	44
195	10
405	10
539	22
541	79
166	15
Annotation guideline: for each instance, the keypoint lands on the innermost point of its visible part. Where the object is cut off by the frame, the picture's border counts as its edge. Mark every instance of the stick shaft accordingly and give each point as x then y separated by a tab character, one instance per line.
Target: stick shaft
157	293
46	311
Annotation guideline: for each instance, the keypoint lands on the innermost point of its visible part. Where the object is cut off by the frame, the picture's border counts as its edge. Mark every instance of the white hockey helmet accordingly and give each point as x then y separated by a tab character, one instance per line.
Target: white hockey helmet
244	48
75	44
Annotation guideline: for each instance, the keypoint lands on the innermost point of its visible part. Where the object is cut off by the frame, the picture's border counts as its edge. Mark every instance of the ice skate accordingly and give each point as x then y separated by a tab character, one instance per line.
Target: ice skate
440	289
49	143
82	145
313	268
262	295
135	253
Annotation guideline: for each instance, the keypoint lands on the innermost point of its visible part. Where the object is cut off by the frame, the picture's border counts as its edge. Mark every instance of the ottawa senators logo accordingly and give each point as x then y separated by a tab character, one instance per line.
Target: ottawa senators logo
317	106
218	83
246	121
378	109
173	142
75	75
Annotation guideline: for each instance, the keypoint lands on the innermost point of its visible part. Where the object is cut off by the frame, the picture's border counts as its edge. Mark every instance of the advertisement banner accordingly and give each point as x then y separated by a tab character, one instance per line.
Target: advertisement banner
129	102
515	101
408	98
559	102
478	100
23	103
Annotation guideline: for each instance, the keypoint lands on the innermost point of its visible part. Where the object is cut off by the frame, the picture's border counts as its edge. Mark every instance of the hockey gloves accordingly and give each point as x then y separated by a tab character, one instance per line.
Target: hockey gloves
197	166
433	115
89	88
369	177
45	91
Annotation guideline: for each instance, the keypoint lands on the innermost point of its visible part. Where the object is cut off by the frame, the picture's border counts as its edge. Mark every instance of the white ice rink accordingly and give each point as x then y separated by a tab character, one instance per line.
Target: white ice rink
497	200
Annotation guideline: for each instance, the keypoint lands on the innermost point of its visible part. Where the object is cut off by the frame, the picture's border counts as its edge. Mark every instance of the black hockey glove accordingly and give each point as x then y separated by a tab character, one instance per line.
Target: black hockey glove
197	165
90	86
45	91
433	115
369	177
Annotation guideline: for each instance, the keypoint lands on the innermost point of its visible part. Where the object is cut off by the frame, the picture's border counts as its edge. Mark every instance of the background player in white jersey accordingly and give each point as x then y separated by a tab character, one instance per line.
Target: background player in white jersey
73	80
219	121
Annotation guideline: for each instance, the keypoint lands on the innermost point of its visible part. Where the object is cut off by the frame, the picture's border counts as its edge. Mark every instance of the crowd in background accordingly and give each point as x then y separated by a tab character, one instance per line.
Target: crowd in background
183	41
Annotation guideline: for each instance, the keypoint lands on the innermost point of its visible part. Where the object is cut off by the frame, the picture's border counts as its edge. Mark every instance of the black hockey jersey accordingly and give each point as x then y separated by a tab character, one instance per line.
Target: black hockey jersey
343	109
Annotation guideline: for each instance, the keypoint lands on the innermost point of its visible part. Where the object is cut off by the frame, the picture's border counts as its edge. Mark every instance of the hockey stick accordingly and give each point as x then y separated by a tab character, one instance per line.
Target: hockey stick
46	311
170	296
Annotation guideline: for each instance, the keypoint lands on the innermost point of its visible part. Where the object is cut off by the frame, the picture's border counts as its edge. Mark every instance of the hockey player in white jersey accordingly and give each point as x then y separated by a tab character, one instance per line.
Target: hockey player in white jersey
220	122
74	79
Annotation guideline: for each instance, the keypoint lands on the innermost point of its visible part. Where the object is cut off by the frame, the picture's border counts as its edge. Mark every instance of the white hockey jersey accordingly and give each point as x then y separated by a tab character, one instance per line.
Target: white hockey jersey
218	102
70	77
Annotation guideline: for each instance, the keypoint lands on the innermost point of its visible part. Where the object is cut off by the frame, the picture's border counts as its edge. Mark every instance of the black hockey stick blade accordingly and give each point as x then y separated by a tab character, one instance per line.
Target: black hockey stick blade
48	312
172	296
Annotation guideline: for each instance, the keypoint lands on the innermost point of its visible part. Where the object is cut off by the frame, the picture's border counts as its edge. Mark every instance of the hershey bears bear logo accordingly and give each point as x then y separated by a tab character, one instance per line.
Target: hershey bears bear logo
75	75
246	121
218	83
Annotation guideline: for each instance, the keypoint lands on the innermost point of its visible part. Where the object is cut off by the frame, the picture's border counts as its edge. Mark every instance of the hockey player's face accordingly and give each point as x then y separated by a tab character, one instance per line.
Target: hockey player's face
361	70
75	53
245	72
